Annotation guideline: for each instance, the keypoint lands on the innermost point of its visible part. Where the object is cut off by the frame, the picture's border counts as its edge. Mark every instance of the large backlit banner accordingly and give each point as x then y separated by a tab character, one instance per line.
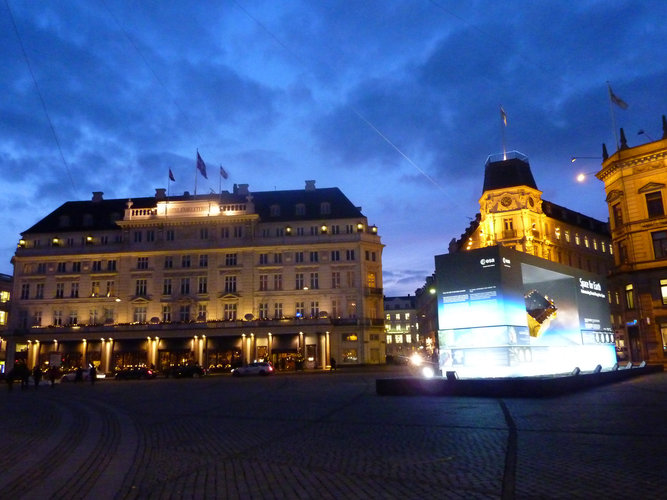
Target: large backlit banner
507	313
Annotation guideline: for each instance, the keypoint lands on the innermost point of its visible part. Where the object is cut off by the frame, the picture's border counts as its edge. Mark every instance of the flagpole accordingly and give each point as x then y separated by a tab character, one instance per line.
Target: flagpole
220	187
613	115
196	172
503	124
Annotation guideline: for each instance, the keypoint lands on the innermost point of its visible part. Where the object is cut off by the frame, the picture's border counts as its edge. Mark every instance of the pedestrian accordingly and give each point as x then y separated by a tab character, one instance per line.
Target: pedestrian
53	374
92	374
332	362
10	379
78	376
37	376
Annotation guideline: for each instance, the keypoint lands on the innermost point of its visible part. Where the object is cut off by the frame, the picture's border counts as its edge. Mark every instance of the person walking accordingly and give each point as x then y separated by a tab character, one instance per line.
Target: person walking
332	363
37	376
92	373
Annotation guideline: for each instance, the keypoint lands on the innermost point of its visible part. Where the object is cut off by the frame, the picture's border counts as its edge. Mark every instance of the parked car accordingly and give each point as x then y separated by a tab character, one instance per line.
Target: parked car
185	371
71	376
135	373
255	368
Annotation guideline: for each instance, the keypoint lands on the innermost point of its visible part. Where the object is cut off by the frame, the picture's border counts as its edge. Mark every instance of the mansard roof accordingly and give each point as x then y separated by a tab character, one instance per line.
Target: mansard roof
508	170
271	206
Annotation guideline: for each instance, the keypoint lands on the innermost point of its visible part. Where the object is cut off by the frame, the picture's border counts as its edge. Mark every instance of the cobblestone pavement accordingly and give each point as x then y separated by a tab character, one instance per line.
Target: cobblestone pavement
328	435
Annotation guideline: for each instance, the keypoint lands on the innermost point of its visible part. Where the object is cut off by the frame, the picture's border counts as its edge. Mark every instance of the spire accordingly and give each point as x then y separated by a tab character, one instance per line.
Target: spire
664	127
624	141
605	155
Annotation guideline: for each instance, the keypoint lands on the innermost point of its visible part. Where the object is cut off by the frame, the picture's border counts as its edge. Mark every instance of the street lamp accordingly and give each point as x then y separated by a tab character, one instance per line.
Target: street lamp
581	177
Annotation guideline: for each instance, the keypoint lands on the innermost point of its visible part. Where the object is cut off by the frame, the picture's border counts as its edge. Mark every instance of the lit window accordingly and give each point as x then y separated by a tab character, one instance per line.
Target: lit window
654	204
629	296
663	291
659	244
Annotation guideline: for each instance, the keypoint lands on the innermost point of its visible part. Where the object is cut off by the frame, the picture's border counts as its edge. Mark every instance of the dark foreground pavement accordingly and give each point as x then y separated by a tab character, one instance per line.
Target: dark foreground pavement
328	435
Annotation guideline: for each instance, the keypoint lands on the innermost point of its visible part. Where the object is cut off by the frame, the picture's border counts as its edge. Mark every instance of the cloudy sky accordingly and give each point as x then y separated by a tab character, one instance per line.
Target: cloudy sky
395	102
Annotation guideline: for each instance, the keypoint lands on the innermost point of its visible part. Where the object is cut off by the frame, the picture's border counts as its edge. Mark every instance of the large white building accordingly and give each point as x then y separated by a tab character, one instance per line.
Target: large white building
291	276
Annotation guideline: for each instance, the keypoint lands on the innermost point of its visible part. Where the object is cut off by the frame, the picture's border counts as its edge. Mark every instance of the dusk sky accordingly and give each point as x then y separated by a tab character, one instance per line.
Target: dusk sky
397	103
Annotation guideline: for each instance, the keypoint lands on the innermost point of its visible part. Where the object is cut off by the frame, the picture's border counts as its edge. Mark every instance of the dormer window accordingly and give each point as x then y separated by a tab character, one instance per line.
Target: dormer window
63	221
275	210
325	208
87	220
300	209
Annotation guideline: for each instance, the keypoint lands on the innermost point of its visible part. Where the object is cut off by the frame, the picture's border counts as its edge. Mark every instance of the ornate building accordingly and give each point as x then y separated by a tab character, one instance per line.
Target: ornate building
402	329
5	297
293	276
513	214
635	180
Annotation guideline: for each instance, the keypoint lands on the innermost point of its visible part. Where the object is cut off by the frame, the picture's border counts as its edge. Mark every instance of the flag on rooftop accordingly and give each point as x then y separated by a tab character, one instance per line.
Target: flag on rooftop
223	173
503	116
171	176
617	100
201	166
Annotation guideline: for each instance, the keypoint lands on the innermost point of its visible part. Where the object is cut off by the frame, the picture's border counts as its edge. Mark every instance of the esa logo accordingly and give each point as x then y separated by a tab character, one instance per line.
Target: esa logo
487	262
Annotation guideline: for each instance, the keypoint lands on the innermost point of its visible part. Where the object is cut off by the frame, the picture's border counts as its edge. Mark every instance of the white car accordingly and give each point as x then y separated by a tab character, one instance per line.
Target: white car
255	368
85	375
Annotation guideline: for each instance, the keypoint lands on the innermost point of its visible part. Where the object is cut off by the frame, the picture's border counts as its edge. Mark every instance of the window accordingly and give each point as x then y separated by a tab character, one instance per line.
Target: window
60	290
62	267
150	236
299	281
110	291
275	210
299	231
663	291
168	262
263	282
203	260
108	315
201	312
298	257
170	235
350	279
97	266
25	291
263	310
659	244
74	290
629	296
142	262
93	317
111	265
137	236
166	286
185	286
185	261
349	254
370	278
277	281
335	255
300	209
335	313
299	309
586	242
663	332
39	291
576	239
238	231
203	233
57	318
184	313
314	309
278	310
202	285
314	281
314	256
263	259
41	268
617	214
349	229
140	314
277	258
36	318
140	288
230	284
166	314
280	232
389	339
335	229
230	259
325	208
224	232
654	204
76	267
229	312
349	337
335	279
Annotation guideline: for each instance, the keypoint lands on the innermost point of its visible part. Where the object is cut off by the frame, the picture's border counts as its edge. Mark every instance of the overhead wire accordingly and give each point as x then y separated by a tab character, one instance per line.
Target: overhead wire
39	93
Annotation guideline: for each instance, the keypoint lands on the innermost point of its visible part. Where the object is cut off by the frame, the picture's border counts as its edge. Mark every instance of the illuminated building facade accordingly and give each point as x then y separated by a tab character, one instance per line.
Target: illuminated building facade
514	215
402	329
5	302
635	180
291	276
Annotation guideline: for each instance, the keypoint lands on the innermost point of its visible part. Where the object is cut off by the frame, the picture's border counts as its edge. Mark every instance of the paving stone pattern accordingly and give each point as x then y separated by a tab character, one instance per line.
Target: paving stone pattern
328	435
